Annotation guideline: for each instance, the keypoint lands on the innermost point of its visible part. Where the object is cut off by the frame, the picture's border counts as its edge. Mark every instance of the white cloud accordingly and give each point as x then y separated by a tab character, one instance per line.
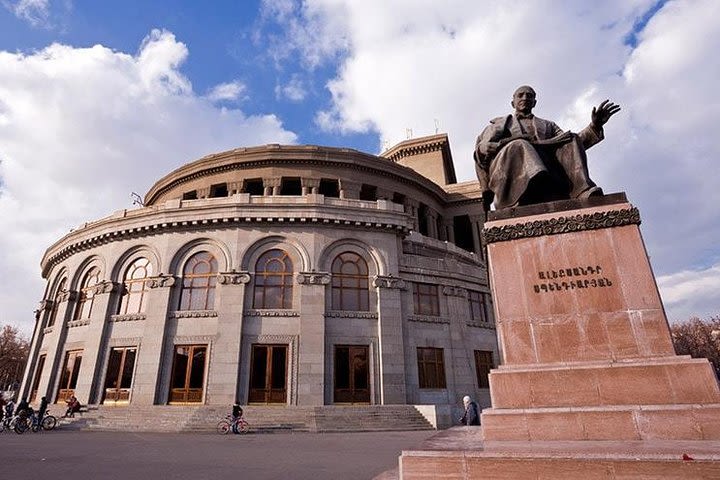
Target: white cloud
691	293
226	91
408	62
294	90
82	128
35	12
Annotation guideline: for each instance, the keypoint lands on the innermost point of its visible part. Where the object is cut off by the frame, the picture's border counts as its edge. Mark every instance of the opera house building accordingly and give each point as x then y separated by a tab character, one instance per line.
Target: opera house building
288	275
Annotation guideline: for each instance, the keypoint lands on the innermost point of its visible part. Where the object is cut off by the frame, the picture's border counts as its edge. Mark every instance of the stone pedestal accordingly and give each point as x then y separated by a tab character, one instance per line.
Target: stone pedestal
586	348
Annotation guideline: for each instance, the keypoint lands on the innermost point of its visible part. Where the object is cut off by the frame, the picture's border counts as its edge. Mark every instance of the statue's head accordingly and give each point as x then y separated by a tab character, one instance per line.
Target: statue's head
524	99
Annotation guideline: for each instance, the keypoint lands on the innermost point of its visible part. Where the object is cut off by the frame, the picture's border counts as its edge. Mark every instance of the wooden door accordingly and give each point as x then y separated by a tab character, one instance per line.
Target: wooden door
352	374
188	374
268	374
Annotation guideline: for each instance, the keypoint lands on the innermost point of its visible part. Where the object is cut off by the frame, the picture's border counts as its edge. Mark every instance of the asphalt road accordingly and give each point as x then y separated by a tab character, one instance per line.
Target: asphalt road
73	455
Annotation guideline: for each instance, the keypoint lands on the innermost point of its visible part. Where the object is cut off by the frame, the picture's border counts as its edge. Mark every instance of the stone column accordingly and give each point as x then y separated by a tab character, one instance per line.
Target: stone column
449	225
234	188
203	192
432	223
349	189
41	315
411	208
223	374
310	185
272	185
384	194
94	350
149	364
311	351
462	358
54	341
390	340
476	225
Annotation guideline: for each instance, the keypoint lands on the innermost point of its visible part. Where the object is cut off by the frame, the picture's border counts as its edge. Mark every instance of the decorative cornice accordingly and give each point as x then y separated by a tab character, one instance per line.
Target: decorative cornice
412	150
351	314
186	339
271	313
67	295
233	278
128	317
163	226
558	225
162	280
78	323
193	313
106	287
427	319
455	291
313	278
381	281
125	342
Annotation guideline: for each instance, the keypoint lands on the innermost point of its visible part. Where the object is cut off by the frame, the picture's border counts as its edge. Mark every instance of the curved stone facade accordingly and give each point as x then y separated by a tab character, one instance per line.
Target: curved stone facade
296	275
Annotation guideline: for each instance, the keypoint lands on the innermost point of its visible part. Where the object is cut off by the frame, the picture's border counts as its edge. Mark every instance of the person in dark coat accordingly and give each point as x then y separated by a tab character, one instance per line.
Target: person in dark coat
42	408
472	412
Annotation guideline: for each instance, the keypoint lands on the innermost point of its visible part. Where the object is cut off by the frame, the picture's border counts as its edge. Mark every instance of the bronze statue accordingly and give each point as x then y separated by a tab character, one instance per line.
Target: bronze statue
523	159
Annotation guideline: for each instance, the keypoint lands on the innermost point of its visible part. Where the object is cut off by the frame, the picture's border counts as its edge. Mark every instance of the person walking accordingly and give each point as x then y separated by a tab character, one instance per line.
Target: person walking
472	412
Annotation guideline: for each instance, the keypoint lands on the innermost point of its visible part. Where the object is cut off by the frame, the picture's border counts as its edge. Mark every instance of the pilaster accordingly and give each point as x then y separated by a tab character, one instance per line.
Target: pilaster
311	351
390	339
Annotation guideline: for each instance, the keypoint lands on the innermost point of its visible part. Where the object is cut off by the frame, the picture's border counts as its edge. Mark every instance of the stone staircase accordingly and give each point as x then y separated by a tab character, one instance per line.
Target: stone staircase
262	419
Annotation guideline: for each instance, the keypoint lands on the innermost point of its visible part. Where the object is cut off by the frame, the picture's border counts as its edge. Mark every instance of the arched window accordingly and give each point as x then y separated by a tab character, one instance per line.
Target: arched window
199	278
56	302
135	286
87	293
273	280
350	283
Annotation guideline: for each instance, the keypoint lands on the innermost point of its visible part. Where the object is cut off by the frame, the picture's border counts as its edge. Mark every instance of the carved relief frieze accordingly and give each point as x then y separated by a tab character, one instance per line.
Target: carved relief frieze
194	314
47	330
45	305
313	278
455	291
489	325
128	317
351	314
162	280
233	278
381	281
271	313
427	319
558	225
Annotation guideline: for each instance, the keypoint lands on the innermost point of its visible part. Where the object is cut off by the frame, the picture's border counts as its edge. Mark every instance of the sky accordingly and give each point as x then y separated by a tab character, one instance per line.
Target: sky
100	99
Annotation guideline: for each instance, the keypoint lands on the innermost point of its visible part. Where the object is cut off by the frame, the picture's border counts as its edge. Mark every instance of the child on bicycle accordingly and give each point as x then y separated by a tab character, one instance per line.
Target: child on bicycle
237	411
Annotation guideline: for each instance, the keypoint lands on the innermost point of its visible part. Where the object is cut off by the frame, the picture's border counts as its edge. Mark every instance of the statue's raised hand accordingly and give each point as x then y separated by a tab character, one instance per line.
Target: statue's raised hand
602	113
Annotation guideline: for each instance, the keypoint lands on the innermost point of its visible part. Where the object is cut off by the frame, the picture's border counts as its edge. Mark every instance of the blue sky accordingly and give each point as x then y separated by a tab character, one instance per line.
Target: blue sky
140	88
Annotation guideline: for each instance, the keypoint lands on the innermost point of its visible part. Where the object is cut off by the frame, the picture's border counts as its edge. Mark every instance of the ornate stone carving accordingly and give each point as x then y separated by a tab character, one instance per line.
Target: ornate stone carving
45	305
554	226
187	339
381	281
271	313
427	319
233	278
106	287
128	317
67	295
162	280
313	278
125	342
455	291
47	330
351	314
78	323
194	314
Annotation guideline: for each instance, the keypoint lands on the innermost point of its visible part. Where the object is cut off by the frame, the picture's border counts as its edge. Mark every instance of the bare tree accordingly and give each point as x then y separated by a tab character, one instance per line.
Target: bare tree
14	349
699	338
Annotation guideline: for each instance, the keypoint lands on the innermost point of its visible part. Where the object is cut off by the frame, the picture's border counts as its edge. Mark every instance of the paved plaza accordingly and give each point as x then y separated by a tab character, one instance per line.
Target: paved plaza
78	455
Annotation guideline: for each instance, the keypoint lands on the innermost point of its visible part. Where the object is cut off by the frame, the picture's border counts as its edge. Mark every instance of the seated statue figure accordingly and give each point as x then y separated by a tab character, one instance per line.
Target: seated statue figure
523	159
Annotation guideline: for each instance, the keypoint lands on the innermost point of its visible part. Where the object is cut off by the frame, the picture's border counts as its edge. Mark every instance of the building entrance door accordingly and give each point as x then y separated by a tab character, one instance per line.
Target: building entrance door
352	374
188	374
268	374
118	380
69	375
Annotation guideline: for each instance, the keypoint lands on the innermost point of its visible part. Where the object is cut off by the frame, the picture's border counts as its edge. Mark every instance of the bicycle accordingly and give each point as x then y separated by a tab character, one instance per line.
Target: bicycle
236	424
32	422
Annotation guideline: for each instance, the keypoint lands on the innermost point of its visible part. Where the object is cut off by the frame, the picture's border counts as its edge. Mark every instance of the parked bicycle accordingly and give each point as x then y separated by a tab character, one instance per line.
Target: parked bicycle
236	424
23	423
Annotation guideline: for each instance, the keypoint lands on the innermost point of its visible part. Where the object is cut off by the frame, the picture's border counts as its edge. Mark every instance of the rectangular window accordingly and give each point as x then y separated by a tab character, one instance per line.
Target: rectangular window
38	375
254	186
477	307
483	365
431	367
329	187
219	190
425	297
